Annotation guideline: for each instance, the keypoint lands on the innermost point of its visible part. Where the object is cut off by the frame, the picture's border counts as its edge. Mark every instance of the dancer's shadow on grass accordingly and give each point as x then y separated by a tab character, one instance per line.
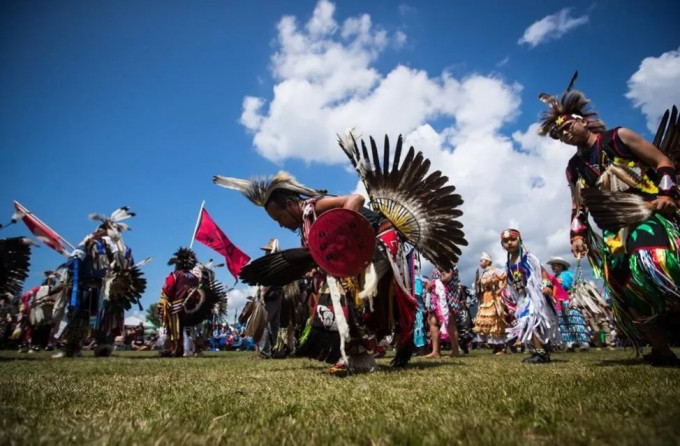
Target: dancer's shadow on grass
23	358
620	362
158	356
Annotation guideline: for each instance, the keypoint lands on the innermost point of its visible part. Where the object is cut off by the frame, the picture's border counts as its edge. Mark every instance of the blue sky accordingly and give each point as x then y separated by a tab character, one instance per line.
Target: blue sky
106	104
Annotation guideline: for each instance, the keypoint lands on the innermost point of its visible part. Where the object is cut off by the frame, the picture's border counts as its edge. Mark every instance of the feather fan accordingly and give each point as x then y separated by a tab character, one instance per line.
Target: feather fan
585	296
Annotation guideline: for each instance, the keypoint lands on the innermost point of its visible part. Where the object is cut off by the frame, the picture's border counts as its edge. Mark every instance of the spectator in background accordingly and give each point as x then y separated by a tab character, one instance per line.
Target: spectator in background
445	291
490	323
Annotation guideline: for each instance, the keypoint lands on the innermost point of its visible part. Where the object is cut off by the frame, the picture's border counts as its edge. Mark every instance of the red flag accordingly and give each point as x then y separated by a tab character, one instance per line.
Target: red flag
46	234
212	236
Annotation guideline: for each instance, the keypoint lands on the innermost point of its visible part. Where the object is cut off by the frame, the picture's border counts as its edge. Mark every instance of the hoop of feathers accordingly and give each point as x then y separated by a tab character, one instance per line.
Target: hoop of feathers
200	304
421	205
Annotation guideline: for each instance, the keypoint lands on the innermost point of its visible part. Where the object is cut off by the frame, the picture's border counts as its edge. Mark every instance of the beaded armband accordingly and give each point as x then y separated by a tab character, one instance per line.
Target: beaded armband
666	185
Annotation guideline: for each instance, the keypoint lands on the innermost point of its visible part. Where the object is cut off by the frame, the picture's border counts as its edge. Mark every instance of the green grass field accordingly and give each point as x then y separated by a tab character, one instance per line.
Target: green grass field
600	397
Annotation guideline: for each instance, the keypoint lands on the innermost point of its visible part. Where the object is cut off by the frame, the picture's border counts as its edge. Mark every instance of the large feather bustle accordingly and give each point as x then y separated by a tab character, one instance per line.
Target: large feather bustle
15	255
420	204
211	296
667	138
220	307
614	210
125	286
258	190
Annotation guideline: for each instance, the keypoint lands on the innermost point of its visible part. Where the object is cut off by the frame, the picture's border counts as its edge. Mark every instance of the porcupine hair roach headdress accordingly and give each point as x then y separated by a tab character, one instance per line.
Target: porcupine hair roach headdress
259	190
571	104
184	259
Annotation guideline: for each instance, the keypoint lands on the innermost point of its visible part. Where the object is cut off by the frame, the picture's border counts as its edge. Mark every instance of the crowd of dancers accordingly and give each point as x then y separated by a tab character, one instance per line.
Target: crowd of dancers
353	282
487	318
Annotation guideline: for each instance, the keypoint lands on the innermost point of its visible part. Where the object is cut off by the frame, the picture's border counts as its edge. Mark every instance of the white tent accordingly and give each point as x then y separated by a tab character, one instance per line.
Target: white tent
133	321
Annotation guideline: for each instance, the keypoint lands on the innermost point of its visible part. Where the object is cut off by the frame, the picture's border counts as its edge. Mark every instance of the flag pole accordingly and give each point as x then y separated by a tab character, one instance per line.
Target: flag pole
198	220
23	210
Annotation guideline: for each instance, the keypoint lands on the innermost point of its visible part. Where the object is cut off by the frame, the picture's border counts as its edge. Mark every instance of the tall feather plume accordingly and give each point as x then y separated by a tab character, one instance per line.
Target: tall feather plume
614	210
143	262
122	213
571	82
421	204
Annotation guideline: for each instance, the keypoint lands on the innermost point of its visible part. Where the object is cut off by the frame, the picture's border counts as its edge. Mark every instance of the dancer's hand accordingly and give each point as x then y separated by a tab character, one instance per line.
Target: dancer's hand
579	247
665	205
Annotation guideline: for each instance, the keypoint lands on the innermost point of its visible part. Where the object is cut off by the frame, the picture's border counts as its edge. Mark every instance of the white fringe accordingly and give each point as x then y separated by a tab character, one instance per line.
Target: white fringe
343	328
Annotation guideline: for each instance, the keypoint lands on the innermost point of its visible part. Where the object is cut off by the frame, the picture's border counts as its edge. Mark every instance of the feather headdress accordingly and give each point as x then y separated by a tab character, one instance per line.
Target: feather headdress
259	190
420	204
571	104
114	220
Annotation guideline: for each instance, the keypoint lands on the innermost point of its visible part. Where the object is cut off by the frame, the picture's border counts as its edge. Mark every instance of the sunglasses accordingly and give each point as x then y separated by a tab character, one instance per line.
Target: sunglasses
558	133
563	125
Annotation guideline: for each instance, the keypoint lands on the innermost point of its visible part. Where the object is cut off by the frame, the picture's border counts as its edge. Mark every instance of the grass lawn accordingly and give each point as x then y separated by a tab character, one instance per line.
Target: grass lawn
599	397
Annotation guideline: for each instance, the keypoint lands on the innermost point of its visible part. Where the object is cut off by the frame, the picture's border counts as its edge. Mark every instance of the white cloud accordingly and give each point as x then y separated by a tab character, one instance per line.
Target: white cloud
400	39
551	27
322	21
654	86
237	299
327	83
